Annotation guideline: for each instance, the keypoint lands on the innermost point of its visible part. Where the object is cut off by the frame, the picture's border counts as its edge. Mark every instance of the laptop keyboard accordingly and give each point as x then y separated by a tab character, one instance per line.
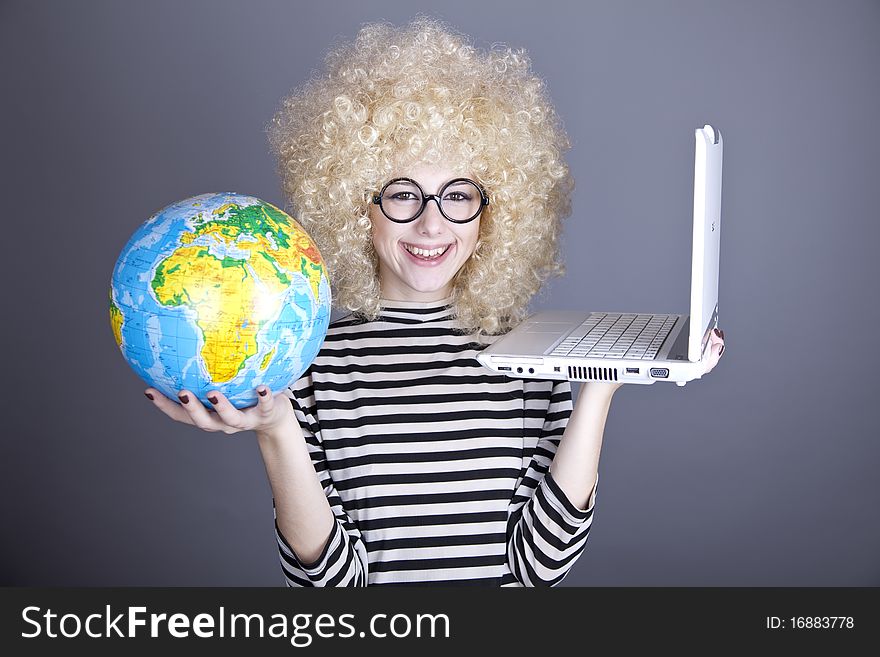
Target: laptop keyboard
617	335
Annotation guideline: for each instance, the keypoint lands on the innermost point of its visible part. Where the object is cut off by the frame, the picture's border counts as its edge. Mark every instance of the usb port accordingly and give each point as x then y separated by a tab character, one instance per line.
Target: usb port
502	368
632	370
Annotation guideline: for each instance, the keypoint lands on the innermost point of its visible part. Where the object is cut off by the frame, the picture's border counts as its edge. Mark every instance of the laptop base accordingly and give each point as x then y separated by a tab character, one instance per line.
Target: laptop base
529	346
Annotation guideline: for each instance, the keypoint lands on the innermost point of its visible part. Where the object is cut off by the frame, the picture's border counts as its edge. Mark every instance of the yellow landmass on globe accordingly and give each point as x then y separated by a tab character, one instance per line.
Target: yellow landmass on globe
116	321
230	307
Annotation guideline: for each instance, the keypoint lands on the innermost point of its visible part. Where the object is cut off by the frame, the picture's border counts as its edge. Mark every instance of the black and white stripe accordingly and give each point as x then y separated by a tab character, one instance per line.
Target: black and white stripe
435	468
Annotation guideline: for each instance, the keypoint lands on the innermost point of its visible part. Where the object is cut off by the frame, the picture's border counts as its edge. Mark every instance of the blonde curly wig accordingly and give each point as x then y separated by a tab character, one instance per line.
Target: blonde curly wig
421	93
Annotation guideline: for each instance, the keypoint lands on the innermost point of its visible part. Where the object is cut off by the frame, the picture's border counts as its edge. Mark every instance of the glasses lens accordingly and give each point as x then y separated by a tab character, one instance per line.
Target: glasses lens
401	200
461	200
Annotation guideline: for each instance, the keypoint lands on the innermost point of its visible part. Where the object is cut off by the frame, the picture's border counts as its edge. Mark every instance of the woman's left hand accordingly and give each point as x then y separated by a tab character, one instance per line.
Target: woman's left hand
716	348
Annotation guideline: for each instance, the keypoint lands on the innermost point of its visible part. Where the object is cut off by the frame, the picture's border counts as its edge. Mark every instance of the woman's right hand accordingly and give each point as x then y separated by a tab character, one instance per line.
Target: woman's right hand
270	412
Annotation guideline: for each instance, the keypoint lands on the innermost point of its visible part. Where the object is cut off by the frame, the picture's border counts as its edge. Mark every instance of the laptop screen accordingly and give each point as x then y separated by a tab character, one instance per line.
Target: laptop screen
706	240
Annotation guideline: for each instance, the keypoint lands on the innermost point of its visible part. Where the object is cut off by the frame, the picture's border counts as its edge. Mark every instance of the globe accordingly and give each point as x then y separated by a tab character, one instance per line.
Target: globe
220	292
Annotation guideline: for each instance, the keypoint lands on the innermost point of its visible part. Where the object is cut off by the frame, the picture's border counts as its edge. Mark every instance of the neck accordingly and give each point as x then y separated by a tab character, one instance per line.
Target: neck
414	296
416	303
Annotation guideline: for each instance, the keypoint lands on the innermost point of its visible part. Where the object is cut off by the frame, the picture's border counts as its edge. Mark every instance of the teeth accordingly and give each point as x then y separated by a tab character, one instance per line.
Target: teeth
422	252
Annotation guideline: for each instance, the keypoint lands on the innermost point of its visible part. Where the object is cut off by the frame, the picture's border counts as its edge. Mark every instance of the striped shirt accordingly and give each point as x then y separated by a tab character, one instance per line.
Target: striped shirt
436	469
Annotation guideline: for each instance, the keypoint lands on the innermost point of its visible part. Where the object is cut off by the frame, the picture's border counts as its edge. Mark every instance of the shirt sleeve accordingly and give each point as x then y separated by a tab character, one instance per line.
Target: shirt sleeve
344	559
546	531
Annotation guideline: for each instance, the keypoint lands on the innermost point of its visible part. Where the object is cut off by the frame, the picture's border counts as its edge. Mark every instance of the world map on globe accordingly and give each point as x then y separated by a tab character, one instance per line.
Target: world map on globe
220	292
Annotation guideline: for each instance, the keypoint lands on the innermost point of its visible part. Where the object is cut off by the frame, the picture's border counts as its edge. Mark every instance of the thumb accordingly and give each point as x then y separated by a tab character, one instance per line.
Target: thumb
265	400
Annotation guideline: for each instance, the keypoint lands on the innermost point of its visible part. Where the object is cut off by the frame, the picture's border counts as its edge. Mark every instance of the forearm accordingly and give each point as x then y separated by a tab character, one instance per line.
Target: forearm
576	463
302	511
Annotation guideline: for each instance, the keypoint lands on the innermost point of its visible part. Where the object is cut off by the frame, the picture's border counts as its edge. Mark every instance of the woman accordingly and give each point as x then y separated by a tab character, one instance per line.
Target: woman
432	177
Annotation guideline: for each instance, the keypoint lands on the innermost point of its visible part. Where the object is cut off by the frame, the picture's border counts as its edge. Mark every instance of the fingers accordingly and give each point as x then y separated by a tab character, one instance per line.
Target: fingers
716	348
252	417
232	419
265	402
170	408
718	334
203	418
224	417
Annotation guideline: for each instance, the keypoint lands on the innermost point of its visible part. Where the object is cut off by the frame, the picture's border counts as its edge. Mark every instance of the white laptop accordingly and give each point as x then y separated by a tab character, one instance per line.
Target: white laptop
631	347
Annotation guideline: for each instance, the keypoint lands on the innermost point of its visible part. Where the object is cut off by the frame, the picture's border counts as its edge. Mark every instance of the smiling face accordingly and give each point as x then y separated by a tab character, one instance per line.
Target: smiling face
418	260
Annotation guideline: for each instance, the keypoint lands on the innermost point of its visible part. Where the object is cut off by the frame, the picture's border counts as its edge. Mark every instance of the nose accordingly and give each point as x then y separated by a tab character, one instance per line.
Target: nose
431	221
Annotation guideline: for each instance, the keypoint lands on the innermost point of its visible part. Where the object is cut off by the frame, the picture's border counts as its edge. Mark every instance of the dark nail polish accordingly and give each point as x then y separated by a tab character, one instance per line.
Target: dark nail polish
721	351
149	396
261	392
184	399
212	399
718	333
722	335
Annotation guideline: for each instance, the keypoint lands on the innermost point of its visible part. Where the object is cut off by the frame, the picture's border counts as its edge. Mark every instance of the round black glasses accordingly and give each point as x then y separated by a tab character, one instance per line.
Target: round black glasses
460	200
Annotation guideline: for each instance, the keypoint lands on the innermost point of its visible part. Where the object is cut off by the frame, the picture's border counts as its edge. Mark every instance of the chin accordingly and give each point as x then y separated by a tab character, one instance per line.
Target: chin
430	288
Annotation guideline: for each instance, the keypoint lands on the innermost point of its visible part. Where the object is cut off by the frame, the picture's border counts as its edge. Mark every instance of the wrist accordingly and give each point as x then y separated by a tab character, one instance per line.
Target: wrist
279	431
598	390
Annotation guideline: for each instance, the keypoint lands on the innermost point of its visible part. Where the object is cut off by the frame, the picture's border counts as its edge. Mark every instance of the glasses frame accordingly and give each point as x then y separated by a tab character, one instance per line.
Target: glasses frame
484	200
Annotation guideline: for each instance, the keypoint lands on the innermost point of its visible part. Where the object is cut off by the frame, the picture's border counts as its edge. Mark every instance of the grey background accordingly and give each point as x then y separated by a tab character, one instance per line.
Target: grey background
762	474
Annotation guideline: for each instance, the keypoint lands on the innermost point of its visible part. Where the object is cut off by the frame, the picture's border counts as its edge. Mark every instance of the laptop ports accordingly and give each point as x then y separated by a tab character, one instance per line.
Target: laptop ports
632	370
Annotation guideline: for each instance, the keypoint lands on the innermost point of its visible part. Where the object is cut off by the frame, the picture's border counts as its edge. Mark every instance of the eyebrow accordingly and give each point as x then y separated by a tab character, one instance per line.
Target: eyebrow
440	186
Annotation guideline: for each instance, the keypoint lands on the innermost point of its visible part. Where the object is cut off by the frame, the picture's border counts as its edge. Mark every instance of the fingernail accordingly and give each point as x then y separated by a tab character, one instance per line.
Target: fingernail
262	392
722	335
184	398
148	396
212	399
718	333
721	351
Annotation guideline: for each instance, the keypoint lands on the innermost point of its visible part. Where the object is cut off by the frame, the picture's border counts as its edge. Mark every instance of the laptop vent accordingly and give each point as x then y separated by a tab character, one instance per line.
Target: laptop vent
592	373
